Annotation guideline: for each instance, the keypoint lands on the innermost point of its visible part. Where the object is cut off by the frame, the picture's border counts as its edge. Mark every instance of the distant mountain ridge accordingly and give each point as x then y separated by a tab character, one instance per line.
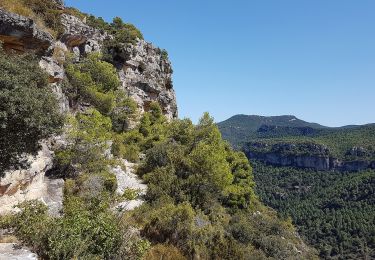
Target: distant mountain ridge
241	127
289	141
316	175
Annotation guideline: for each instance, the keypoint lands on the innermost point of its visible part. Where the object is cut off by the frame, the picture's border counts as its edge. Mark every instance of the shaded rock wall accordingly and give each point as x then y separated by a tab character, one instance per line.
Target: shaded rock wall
29	184
21	34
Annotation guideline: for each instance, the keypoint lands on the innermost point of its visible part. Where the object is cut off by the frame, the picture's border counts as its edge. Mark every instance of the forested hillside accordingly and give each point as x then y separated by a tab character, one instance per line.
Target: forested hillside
325	189
334	211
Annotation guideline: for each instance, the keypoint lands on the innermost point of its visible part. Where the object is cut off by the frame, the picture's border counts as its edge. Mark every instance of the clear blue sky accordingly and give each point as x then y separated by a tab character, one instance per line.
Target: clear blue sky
314	59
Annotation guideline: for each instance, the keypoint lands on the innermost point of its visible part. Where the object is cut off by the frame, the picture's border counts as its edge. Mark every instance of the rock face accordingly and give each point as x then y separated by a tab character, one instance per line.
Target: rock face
21	34
311	156
30	184
127	179
11	251
81	36
145	71
146	75
60	3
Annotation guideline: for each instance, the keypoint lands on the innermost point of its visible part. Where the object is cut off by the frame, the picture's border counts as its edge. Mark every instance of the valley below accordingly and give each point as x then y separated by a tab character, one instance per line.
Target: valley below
322	178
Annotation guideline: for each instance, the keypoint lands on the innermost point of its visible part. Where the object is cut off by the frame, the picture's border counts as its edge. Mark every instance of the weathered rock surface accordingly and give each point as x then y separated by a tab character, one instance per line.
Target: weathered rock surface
60	3
127	179
145	73
80	35
316	157
147	76
20	33
11	251
31	184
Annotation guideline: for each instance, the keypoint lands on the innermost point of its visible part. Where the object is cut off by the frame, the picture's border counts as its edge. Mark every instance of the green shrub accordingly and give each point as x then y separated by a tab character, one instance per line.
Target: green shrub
45	13
28	108
123	34
125	112
95	81
78	234
164	54
124	148
164	251
88	136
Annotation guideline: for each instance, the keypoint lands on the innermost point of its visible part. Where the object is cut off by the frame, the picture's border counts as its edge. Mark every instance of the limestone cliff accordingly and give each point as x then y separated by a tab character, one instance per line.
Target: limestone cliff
145	74
22	34
305	155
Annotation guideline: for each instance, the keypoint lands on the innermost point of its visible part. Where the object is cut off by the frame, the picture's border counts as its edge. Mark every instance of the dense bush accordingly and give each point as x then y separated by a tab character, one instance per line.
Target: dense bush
163	251
200	197
123	34
93	81
86	231
49	11
89	134
201	164
125	113
28	108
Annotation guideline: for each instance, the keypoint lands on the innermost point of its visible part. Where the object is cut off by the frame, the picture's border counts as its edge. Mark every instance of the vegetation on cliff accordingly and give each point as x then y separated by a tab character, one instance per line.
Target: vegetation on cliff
28	109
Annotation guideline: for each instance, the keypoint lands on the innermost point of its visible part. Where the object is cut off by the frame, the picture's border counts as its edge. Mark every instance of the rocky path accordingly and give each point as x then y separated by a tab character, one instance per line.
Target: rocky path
127	179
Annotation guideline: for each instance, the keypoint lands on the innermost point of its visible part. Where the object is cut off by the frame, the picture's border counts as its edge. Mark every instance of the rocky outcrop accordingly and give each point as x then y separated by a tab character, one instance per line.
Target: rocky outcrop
12	251
145	71
60	3
313	156
81	37
127	179
146	75
31	184
21	34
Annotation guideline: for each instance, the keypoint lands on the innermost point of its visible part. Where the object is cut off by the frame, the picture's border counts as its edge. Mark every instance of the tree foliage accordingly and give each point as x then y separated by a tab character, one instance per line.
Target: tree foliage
93	81
334	211
200	197
28	108
89	135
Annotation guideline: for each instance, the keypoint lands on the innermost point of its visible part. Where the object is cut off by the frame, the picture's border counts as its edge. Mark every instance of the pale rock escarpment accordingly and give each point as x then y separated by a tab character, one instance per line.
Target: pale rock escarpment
20	33
146	75
11	251
127	179
313	156
80	37
31	184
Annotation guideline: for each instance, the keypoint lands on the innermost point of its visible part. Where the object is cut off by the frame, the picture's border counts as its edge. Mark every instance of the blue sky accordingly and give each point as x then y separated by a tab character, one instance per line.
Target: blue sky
314	59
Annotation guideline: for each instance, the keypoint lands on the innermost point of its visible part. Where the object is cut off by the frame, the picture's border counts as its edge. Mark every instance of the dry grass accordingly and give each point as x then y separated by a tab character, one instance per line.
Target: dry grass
59	55
18	7
165	252
8	239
